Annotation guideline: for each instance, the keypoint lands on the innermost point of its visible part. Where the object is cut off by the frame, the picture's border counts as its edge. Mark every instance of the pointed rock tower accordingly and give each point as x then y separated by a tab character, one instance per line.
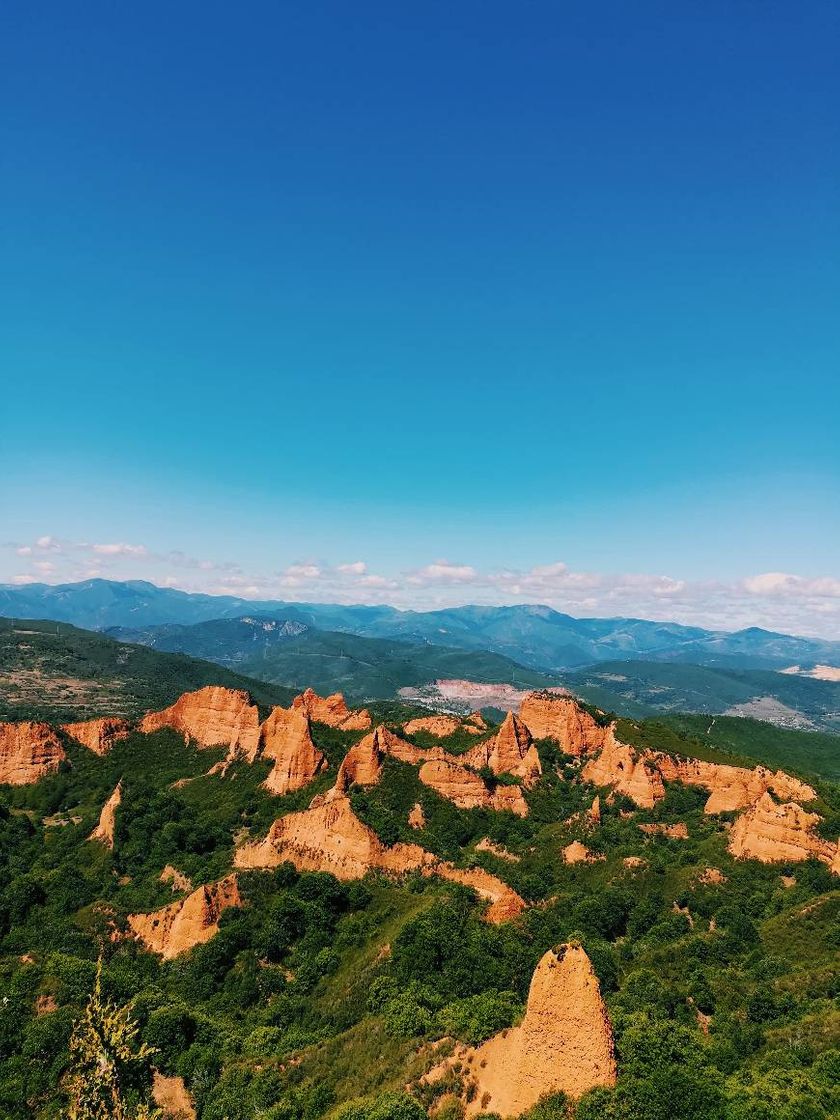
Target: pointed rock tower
564	1043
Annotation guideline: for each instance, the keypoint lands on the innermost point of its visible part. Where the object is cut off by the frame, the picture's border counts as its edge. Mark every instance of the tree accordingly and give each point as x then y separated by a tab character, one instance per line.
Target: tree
108	1064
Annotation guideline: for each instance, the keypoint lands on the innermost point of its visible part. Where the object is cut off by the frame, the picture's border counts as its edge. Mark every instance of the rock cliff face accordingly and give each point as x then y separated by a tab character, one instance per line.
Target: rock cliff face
548	716
28	751
330	837
510	751
104	831
98	735
626	770
188	922
440	726
332	710
564	1043
212	717
468	790
362	765
775	833
285	740
731	788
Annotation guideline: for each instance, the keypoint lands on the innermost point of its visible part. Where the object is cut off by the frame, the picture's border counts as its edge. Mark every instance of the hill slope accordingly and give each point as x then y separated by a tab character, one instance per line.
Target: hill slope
787	700
58	672
290	653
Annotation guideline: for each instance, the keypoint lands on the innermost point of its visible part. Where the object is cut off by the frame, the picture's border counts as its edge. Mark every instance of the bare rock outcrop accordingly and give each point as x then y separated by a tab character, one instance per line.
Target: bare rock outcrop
28	751
440	726
468	790
564	1043
678	831
286	741
330	837
362	765
416	816
505	903
98	735
731	788
171	1096
549	716
576	852
510	751
212	717
785	833
179	881
104	831
485	844
332	710
627	771
188	922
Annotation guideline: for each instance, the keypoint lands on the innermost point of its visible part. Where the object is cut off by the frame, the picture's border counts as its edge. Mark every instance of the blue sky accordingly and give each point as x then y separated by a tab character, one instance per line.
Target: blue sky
501	301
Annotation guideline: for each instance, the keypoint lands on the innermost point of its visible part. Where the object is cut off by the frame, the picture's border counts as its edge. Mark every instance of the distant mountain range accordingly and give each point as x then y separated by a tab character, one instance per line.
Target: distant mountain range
532	635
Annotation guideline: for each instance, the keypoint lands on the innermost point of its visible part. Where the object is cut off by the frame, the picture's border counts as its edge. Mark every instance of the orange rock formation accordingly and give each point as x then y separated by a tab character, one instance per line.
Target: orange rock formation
711	876
774	833
332	710
579	853
633	863
188	922
285	739
498	850
98	735
678	831
179	881
564	1043
104	831
330	837
28	751
212	717
468	790
549	716
594	812
416	816
510	751
440	726
362	765
730	787
626	770
505	903
171	1096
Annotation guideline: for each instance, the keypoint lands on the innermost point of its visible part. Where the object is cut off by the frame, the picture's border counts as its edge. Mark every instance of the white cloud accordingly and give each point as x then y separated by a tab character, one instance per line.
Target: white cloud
783	583
120	549
358	568
441	571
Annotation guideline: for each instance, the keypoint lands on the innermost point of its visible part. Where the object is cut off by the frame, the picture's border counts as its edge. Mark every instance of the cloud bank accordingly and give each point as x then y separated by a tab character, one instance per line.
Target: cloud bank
782	601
